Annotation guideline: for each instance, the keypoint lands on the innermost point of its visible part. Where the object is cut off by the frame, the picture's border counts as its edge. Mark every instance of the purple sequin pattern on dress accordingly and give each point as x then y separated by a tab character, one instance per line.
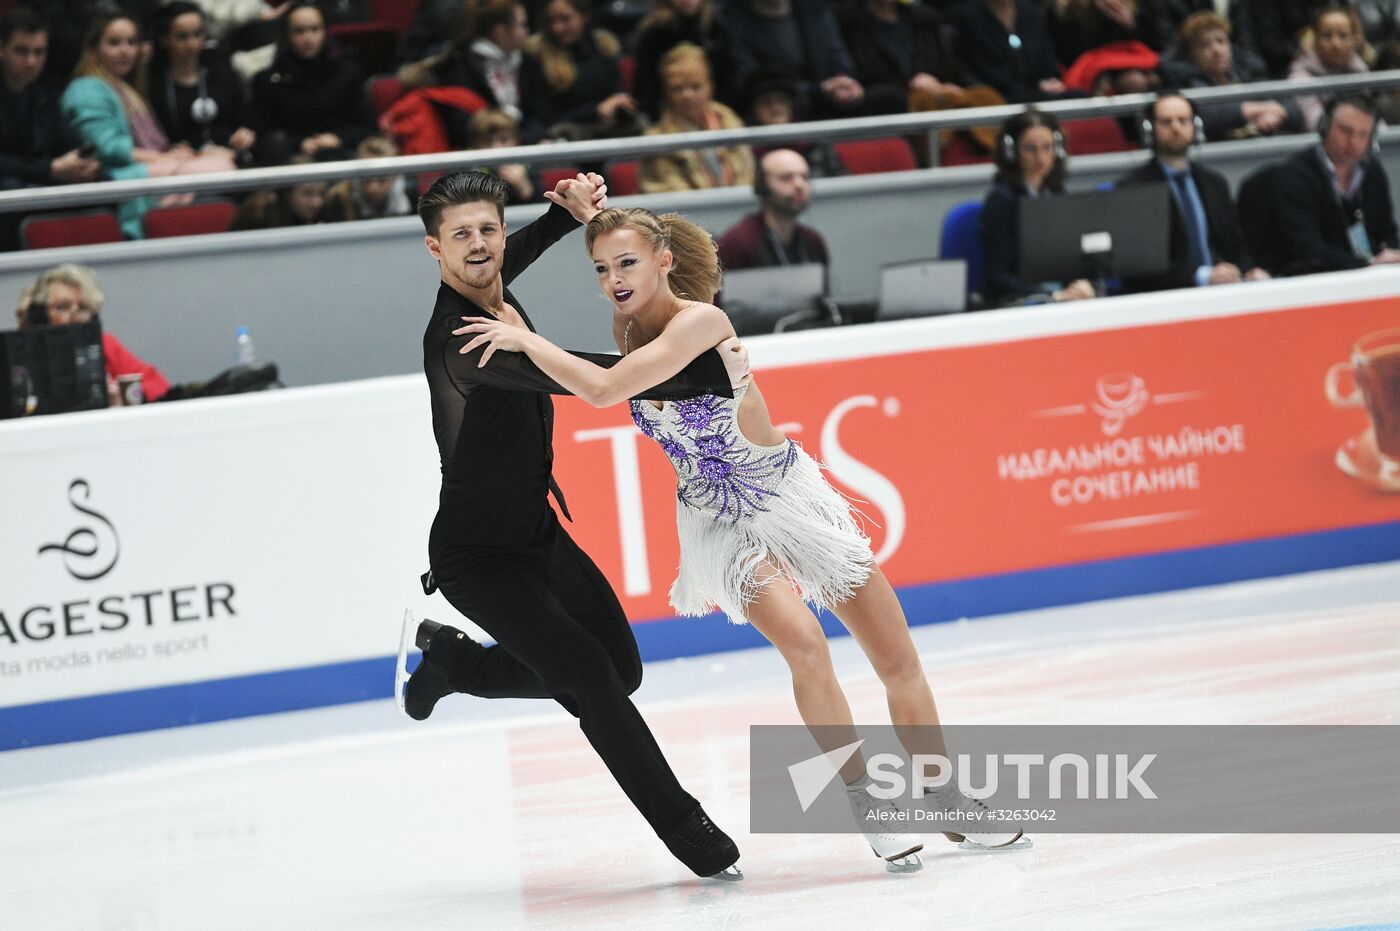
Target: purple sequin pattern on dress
717	469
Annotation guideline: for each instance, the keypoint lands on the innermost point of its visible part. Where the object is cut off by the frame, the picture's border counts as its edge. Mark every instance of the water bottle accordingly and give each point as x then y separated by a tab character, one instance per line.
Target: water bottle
245	354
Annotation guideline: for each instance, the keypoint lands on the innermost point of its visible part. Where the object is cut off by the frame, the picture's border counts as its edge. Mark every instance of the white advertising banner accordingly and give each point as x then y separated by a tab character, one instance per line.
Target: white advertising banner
207	539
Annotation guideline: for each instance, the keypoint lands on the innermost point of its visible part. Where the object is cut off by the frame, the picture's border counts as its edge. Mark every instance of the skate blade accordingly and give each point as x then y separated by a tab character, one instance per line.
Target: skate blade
401	669
1021	843
903	865
730	874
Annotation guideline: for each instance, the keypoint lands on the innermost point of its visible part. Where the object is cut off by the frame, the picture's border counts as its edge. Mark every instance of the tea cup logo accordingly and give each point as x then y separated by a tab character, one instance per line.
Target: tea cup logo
84	556
1117	397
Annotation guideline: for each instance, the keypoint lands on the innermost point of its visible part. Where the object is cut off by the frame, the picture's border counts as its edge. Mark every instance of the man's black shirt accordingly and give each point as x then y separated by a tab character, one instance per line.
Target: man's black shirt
495	425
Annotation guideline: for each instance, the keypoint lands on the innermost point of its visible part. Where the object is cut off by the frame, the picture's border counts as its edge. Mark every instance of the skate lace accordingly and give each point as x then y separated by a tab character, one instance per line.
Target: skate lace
699	832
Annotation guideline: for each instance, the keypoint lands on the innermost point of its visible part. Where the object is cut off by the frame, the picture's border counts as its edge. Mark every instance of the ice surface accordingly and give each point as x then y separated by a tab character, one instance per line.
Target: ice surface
497	815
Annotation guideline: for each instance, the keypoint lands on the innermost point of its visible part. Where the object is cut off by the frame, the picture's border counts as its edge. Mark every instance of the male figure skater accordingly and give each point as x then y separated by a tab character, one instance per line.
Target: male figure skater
496	549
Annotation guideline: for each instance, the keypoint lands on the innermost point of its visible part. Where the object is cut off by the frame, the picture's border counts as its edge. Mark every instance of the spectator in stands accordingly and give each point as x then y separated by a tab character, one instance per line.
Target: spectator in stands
670	23
36	147
311	100
1030	162
802	38
497	129
1205	243
194	92
1006	45
901	57
770	99
1172	15
67	294
1337	41
772	236
107	107
585	99
1331	202
301	204
1107	46
68	22
487	57
1211	62
691	107
368	198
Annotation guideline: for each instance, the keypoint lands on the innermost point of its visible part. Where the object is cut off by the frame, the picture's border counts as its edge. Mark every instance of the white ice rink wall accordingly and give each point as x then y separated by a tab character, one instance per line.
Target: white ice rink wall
197	561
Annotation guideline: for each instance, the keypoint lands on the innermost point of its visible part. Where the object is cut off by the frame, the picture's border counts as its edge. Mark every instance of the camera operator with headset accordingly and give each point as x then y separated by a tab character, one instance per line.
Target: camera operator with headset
1206	245
67	294
1331	202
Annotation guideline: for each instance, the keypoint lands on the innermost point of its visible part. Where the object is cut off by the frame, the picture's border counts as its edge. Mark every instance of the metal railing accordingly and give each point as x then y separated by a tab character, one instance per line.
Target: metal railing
633	147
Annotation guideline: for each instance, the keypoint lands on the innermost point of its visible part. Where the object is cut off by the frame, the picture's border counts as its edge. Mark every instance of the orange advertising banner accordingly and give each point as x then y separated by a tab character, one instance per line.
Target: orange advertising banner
979	460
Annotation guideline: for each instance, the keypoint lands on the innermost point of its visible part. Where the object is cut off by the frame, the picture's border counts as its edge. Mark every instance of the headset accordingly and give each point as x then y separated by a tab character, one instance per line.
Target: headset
1007	147
1149	135
761	189
1324	124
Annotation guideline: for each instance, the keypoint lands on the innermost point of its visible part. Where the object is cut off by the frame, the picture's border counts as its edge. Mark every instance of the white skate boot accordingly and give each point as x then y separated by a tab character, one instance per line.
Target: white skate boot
899	851
991	838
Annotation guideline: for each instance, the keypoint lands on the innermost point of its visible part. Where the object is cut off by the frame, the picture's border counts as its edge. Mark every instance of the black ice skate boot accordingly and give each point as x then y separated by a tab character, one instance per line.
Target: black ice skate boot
442	647
705	849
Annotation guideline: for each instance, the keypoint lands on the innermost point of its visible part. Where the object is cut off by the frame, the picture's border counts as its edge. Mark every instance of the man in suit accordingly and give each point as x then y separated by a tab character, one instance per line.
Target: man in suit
1331	201
1205	243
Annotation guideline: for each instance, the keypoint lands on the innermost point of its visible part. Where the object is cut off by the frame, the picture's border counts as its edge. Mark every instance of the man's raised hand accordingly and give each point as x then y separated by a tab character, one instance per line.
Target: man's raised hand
584	196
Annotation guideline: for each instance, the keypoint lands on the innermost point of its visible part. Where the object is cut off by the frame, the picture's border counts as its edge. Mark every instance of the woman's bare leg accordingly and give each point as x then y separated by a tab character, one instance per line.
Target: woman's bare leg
781	616
875	618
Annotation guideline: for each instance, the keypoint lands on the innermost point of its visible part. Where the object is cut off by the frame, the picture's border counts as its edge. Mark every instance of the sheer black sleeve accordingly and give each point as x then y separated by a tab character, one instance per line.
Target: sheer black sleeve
514	371
529	242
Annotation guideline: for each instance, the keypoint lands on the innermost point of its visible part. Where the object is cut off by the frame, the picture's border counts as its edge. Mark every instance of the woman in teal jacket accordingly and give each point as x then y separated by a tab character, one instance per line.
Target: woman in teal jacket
106	107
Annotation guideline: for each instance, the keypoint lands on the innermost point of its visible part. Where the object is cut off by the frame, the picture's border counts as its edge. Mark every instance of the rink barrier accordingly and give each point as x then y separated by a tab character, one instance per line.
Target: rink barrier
669	638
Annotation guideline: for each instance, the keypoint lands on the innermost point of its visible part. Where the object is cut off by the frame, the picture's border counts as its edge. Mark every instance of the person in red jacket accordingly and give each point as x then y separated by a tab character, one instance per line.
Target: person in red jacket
68	294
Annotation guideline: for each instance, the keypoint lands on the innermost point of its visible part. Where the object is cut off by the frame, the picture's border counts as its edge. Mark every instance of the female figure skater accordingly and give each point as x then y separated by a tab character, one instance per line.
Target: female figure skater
760	529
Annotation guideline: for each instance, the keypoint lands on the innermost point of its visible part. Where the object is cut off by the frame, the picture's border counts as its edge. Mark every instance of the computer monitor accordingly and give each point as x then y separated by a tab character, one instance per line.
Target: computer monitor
922	288
1120	233
52	369
774	298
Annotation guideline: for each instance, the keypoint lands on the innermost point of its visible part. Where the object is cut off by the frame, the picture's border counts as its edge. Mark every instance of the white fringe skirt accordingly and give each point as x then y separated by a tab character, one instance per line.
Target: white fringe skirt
807	533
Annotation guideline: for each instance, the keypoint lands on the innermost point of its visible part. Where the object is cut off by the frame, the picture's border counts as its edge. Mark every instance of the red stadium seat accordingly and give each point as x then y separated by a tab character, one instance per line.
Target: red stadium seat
396	14
552	176
871	156
1093	136
622	178
212	216
383	90
959	151
56	230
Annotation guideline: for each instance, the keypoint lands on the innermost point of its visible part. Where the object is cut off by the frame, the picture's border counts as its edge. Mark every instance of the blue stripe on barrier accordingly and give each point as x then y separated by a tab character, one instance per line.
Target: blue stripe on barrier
361	680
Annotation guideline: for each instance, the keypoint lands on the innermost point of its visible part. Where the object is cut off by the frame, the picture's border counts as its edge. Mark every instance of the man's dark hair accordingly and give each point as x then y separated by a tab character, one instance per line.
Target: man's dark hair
1356	101
20	19
462	187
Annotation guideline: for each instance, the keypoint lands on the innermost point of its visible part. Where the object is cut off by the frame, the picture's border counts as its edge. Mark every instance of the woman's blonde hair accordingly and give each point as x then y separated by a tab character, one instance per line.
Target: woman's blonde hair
685	55
557	62
695	269
77	276
87	64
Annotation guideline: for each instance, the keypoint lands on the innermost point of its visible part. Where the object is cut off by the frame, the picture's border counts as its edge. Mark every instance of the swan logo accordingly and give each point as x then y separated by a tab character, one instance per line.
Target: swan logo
91	550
